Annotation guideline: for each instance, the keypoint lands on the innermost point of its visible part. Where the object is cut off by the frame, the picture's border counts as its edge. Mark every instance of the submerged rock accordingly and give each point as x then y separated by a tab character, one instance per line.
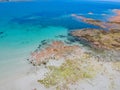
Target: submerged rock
1	33
61	36
44	42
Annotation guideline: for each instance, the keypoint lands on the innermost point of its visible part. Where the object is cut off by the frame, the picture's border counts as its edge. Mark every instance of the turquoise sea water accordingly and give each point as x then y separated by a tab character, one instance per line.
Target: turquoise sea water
24	25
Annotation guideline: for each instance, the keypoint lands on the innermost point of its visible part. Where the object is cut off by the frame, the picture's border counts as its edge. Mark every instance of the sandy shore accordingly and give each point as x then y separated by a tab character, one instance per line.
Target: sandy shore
107	77
26	82
109	80
29	80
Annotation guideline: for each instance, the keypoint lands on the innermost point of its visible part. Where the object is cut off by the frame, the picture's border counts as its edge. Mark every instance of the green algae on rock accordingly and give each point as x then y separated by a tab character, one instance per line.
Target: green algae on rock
99	38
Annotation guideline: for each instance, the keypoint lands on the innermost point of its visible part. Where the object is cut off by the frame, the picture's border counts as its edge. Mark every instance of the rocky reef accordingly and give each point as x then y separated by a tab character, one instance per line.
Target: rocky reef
100	39
108	37
56	50
104	25
115	18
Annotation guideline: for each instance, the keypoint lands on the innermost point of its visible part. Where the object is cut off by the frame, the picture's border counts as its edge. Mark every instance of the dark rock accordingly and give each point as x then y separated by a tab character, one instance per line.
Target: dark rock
61	36
43	42
1	33
39	46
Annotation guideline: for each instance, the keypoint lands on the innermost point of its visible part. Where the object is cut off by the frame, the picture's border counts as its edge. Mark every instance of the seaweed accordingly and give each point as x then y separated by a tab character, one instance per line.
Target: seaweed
69	72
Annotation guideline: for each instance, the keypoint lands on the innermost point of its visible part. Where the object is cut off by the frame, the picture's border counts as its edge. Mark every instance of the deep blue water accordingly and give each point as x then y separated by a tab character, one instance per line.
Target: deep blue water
54	12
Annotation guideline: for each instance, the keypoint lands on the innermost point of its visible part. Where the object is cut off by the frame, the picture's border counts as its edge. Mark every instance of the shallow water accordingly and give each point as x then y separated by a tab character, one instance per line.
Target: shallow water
17	45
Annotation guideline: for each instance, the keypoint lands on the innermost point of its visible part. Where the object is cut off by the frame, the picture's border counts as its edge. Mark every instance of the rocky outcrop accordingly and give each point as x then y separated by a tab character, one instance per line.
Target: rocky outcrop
99	38
115	18
108	37
104	25
56	50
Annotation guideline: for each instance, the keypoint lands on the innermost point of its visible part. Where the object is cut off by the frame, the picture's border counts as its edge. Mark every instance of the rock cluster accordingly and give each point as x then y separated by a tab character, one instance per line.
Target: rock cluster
104	25
56	50
99	38
115	18
108	37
